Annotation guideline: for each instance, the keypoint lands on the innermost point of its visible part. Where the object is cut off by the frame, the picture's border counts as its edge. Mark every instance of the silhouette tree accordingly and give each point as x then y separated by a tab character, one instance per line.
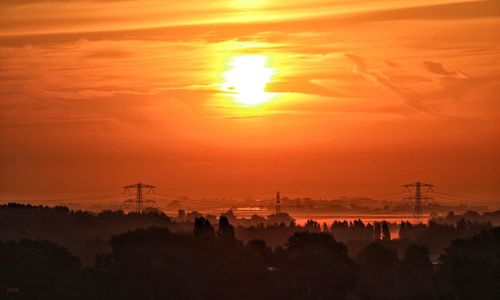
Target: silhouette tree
470	268
416	273
36	270
325	228
226	230
315	266
203	229
164	265
377	232
386	233
403	230
259	248
379	277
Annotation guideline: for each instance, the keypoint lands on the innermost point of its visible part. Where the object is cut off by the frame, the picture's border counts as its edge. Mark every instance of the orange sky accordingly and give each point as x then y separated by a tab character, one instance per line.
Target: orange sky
364	96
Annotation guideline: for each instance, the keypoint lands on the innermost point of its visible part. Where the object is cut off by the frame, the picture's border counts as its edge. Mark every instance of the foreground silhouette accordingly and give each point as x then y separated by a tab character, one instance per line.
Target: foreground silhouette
154	263
208	261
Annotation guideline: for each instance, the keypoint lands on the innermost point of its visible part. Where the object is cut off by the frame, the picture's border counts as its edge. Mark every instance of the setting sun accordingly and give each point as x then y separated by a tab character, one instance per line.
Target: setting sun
247	78
249	149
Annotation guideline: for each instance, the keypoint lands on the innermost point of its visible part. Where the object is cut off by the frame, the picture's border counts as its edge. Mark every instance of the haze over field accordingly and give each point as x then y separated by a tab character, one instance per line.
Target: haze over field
243	98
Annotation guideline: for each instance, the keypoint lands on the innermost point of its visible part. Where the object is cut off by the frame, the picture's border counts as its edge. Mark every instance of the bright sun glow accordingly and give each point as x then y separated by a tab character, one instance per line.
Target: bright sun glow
247	78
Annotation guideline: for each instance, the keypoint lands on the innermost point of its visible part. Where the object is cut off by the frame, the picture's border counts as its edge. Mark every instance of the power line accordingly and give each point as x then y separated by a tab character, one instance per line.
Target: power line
419	198
96	197
139	201
62	192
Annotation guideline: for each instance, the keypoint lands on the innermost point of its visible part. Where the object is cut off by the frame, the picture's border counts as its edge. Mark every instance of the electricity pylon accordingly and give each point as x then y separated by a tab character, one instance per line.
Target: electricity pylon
138	202
278	203
418	198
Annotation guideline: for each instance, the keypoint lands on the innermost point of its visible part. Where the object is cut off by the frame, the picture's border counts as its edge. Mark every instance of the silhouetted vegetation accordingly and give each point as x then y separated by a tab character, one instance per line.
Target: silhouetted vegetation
315	266
470	268
152	261
438	236
37	269
85	234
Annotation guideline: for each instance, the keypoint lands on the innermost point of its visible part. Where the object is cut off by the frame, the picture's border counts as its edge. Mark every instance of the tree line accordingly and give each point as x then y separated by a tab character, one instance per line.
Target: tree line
154	263
147	256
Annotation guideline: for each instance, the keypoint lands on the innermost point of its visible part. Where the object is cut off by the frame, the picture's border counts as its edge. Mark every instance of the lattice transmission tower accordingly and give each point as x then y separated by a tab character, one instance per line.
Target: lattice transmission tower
278	203
139	202
418	200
